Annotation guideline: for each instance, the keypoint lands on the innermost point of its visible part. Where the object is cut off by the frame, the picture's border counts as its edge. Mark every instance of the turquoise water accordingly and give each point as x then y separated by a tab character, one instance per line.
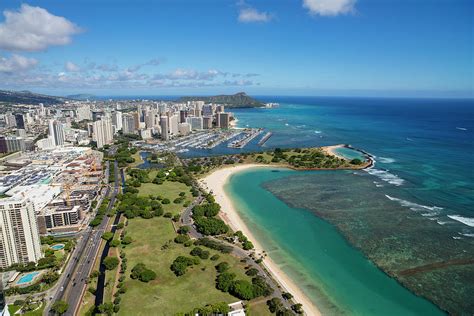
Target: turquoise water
349	153
333	274
27	278
57	247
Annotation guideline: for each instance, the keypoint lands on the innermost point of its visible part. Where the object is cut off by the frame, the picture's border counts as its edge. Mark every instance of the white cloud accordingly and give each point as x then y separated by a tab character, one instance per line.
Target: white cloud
34	29
189	74
329	7
71	67
16	63
248	15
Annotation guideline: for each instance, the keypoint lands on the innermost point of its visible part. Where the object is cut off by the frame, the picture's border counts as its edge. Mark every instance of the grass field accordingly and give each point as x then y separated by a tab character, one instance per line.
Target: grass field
169	294
168	190
259	308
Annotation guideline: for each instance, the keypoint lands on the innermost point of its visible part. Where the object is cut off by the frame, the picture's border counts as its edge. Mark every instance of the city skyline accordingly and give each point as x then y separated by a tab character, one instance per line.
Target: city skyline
308	47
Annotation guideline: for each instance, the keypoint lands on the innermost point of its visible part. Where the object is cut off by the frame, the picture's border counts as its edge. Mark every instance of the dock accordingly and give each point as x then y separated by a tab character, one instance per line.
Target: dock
264	139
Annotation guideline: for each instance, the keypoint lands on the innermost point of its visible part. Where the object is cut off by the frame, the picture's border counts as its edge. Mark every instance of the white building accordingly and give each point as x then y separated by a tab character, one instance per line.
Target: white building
117	120
56	132
83	112
184	128
174	121
45	143
103	132
129	124
195	122
19	235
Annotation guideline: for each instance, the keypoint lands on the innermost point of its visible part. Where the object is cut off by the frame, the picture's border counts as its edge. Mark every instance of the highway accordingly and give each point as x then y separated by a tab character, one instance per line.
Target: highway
73	281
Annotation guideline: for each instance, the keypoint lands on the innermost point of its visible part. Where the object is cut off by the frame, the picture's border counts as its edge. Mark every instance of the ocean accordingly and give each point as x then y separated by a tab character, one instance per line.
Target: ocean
412	214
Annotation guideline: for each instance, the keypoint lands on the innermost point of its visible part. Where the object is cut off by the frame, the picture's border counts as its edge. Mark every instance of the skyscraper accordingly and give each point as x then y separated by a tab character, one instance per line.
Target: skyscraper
20	121
117	120
19	235
224	120
56	132
103	132
128	124
173	120
164	128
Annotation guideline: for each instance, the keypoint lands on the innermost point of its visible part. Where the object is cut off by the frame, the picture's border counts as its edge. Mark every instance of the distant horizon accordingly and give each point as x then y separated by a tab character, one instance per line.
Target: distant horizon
349	48
257	95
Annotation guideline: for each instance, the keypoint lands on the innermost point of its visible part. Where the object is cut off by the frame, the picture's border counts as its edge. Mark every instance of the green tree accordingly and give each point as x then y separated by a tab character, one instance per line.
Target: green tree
60	307
222	267
224	281
110	263
107	236
242	289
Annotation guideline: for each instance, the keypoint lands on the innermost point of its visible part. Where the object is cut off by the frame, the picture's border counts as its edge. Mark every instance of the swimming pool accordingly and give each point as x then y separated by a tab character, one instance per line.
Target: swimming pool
57	247
27	278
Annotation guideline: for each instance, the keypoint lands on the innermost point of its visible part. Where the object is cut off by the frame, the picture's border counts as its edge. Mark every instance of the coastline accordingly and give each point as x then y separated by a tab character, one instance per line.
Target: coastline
215	182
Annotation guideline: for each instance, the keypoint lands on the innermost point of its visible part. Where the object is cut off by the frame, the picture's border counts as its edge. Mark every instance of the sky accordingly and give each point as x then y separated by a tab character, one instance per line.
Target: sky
391	48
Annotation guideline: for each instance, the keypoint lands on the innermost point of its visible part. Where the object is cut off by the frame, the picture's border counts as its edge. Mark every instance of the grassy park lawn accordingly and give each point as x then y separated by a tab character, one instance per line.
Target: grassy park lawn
169	190
169	294
259	308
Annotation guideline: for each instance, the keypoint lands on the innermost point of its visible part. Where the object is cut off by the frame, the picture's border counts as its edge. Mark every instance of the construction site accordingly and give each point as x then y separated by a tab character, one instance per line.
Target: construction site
62	184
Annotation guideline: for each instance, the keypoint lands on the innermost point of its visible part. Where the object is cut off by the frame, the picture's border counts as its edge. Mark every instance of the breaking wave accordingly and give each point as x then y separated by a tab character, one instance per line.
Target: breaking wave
386	160
465	220
386	176
428	211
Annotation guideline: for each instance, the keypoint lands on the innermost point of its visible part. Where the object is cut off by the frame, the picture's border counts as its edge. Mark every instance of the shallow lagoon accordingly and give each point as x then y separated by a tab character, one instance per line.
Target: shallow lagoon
335	275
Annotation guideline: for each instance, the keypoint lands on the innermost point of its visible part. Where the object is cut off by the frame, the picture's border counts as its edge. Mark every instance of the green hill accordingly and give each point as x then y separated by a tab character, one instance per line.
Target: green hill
238	100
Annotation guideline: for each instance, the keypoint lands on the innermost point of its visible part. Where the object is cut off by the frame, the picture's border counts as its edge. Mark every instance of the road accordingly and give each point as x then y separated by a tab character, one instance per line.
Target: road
72	284
187	220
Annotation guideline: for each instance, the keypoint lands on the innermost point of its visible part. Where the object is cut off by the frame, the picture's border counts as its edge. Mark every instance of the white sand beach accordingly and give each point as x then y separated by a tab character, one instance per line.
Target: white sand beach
215	182
330	150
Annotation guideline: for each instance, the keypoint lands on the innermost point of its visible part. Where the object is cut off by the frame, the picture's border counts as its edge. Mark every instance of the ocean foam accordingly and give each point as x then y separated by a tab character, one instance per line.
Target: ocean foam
386	160
433	210
461	128
386	176
317	132
468	235
465	220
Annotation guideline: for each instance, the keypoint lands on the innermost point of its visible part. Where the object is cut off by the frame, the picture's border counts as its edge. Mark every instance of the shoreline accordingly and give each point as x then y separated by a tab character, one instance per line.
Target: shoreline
215	182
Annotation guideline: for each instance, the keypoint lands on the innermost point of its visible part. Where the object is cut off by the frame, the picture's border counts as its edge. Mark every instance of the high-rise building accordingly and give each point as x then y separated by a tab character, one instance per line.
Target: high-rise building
128	124
220	109
224	120
19	235
182	116
208	110
83	112
103	132
184	128
10	120
207	122
117	120
164	124
150	116
9	144
173	120
56	132
195	122
20	121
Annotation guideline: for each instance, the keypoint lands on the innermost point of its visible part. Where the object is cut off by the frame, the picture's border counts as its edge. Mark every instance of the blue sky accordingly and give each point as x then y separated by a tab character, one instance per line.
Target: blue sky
284	47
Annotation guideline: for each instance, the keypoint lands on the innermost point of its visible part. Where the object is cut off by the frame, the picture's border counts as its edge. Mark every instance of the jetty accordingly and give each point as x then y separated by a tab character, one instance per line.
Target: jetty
264	139
248	136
